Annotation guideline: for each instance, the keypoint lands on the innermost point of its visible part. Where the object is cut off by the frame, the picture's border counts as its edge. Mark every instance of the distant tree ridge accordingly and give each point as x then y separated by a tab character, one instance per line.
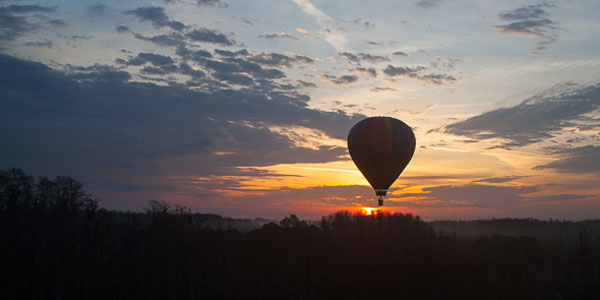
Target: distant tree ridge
57	243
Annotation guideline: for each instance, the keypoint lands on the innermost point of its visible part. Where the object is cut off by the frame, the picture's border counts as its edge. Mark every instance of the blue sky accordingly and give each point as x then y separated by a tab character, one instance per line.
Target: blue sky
242	107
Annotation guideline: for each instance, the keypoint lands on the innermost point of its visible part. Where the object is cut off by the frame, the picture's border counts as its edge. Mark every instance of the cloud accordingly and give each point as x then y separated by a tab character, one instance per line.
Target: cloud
194	55
527	27
217	3
312	10
157	16
349	56
370	72
226	53
362	56
445	63
524	13
428	4
340	81
145	57
14	22
306	84
531	20
359	22
234	78
209	36
279	60
372	58
279	35
437	78
23	9
97	9
382	89
98	122
585	159
535	119
478	195
303	31
41	44
122	28
400	53
335	39
164	40
233	69
502	179
432	78
58	23
345	79
558	197
402	71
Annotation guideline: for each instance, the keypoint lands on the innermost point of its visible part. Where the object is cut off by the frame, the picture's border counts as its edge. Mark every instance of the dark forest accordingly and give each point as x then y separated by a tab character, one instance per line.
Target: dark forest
56	242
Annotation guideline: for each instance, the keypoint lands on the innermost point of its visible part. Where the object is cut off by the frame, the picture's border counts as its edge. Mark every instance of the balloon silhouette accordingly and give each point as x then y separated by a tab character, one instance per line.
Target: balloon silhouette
381	147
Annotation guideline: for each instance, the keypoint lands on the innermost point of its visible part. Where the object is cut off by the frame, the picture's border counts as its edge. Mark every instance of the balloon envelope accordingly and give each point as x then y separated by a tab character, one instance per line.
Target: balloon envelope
381	147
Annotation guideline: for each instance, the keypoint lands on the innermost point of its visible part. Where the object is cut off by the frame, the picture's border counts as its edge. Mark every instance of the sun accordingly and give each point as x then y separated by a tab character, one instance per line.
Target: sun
369	211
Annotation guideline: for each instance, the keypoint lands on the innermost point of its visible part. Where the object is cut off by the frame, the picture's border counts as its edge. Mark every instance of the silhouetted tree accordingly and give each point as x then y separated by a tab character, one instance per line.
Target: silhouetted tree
56	243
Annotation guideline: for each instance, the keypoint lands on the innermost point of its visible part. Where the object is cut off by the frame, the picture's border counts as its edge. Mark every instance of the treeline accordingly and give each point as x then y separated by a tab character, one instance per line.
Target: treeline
543	230
56	243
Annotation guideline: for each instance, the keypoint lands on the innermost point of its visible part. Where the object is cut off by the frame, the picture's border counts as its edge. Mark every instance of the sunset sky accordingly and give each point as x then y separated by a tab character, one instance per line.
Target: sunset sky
242	108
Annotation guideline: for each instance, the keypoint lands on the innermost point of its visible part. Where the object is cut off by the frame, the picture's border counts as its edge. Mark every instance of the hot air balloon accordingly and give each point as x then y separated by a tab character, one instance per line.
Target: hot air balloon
381	147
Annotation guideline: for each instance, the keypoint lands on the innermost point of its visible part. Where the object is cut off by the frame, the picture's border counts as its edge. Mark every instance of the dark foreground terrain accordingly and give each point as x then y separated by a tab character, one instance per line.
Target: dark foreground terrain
56	243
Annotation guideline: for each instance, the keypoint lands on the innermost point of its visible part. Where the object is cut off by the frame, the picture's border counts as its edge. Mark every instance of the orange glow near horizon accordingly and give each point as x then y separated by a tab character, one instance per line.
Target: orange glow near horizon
369	211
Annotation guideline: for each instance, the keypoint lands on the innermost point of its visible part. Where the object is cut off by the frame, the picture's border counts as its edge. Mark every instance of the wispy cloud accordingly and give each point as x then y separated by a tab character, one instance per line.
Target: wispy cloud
584	159
15	21
157	16
217	3
536	119
306	84
359	22
278	35
335	39
363	56
209	36
339	81
414	72
127	128
382	89
531	20
428	4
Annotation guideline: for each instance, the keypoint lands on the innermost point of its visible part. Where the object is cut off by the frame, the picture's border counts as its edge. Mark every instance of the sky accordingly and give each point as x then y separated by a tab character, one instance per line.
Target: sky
242	108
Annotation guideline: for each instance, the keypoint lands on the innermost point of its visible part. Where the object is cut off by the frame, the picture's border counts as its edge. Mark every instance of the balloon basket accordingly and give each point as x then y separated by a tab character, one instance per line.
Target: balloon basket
380	201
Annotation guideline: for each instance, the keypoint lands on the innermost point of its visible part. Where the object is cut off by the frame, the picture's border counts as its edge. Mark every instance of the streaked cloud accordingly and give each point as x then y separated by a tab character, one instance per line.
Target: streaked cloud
336	39
531	20
135	124
378	89
536	119
359	22
278	35
585	159
369	72
339	81
429	4
217	3
502	179
157	16
363	56
306	84
415	73
46	43
19	20
478	195
209	36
